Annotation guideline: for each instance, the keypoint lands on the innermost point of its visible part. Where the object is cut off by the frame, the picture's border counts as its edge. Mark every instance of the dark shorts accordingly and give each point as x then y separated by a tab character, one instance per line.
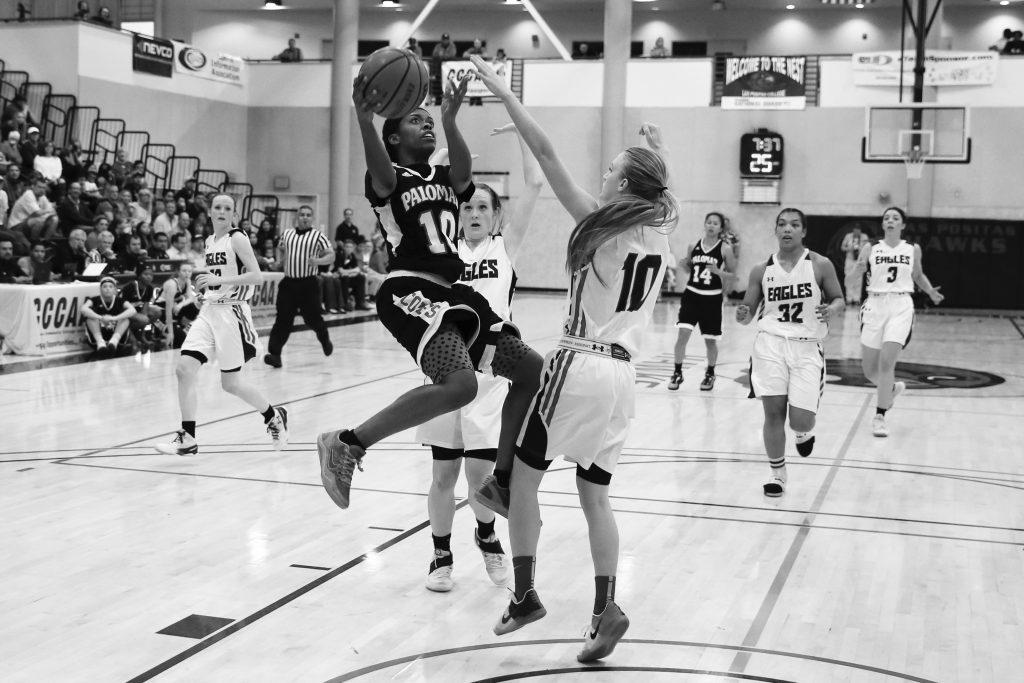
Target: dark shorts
701	310
440	453
413	309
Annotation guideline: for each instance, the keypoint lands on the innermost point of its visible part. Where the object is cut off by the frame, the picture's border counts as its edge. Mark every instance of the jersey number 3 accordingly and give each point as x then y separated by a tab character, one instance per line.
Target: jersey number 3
440	227
638	280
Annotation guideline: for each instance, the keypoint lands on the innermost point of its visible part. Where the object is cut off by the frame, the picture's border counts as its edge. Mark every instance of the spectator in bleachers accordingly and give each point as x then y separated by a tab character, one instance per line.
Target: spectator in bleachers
445	49
30	212
185	225
72	211
10	271
29	149
158	249
177	302
47	164
347	230
91	243
1015	46
70	257
659	50
10	148
133	257
373	277
121	168
158	207
123	206
353	281
13	184
197	251
583	52
145	233
106	317
104	252
290	53
72	161
179	247
137	178
167	222
477	49
17	115
267	256
186	192
82	13
103	17
139	293
414	47
38	266
267	231
200	226
90	187
141	210
198	207
5	205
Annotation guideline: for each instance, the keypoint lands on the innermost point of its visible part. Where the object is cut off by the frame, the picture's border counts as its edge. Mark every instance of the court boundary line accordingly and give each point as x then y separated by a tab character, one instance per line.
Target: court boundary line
1013	321
760	621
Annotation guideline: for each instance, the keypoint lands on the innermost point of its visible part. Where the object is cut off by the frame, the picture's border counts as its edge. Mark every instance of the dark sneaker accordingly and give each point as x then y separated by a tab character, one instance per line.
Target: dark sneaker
599	643
492	496
272	360
708	384
183	443
277	428
327	345
519	614
675	380
775	488
805	447
338	462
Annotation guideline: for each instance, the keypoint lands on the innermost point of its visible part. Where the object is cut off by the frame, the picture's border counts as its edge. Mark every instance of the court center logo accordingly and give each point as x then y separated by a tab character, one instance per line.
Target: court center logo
848	372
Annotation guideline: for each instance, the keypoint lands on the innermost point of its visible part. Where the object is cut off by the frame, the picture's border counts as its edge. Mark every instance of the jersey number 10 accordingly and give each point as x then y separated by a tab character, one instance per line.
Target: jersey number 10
441	230
638	280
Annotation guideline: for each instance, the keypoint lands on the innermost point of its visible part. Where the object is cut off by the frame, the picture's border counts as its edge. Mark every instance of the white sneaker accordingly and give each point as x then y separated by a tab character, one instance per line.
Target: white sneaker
439	579
878	427
277	428
183	443
495	559
775	487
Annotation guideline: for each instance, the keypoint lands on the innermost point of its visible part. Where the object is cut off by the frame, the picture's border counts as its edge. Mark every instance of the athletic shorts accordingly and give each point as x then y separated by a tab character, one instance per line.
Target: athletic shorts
412	308
225	332
887	318
703	310
581	411
473	427
788	367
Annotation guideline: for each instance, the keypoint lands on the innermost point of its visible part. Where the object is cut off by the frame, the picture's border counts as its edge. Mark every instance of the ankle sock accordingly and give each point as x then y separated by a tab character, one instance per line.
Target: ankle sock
268	414
881	411
604	592
484	529
349	437
679	368
442	542
523	567
190	427
710	371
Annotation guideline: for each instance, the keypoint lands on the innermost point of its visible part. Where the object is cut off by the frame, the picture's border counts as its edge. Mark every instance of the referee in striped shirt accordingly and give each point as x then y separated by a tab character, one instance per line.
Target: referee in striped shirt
302	250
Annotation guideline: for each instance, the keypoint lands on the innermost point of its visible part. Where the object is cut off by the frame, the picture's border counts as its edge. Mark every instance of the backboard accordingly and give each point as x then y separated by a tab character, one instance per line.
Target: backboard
936	133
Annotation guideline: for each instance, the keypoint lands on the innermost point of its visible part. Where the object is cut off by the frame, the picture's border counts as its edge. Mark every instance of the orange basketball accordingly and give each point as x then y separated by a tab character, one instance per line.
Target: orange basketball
396	78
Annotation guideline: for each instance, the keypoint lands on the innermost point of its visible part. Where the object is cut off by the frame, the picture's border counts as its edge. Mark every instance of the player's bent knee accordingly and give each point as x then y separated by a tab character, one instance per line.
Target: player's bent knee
460	389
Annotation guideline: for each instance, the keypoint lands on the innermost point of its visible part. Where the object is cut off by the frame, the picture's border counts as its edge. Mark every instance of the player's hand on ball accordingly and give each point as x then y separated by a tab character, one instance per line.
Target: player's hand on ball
742	313
206	280
495	83
366	104
936	296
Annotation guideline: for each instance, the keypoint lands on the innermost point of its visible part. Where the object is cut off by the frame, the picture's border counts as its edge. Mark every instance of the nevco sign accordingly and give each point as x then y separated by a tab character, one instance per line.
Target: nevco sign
152	56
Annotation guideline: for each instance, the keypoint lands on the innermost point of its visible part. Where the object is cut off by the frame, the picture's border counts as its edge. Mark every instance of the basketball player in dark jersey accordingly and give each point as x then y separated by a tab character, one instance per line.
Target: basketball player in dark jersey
711	263
448	328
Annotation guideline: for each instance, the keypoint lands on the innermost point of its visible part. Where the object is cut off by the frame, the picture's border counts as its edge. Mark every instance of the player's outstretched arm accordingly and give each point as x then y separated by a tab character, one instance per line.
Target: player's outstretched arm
825	272
522	210
459	157
574	198
922	281
378	163
752	299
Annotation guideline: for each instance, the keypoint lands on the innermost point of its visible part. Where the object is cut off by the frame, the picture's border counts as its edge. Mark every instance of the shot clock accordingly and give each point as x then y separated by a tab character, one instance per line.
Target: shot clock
761	154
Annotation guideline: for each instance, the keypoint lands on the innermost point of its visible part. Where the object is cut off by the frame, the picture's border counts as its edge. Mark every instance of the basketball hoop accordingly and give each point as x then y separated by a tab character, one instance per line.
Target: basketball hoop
914	160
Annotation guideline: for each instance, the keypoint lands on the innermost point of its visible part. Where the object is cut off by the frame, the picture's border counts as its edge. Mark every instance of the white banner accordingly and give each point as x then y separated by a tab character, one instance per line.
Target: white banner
220	67
454	71
941	67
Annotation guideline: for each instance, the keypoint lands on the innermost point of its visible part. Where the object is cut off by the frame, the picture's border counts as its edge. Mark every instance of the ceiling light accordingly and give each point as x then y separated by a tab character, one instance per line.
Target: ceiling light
790	6
389	4
859	5
273	4
1004	3
512	2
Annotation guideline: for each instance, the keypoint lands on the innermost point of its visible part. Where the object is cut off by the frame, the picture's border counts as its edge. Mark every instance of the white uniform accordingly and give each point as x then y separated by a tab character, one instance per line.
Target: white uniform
788	358
586	399
888	313
476	426
224	327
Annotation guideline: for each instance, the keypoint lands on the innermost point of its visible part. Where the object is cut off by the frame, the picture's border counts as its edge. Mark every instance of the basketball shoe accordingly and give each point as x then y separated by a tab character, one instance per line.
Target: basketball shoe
709	382
338	462
600	640
494	558
439	576
519	614
775	487
804	444
878	426
675	380
183	443
492	496
277	428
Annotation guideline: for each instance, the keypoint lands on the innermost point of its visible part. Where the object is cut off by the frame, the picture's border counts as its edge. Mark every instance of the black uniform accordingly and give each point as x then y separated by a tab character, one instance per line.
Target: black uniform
101	307
419	221
701	304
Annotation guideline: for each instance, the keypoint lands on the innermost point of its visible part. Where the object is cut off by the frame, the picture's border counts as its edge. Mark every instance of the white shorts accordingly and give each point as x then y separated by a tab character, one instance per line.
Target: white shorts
788	367
225	332
886	318
475	426
581	412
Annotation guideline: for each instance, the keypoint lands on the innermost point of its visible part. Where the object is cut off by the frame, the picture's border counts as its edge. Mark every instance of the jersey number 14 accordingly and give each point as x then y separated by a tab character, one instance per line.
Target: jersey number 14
638	280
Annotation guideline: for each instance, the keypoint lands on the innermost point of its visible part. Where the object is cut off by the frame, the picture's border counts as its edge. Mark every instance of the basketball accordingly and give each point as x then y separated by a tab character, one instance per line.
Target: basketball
397	78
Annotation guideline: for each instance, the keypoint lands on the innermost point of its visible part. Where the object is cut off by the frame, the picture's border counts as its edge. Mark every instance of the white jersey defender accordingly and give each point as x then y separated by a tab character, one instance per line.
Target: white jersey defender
888	313
224	328
488	270
607	320
788	357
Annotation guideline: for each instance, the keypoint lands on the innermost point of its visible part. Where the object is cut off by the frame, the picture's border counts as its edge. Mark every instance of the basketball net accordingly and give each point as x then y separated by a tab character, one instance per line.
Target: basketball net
914	161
